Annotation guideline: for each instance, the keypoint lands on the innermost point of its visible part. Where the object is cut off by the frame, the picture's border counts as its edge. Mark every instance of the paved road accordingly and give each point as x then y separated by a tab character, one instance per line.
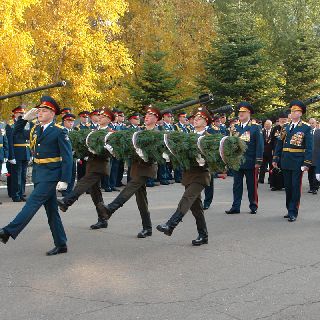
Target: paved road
255	267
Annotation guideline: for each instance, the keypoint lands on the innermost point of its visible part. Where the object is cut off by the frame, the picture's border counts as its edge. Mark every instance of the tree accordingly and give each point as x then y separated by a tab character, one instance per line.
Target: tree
154	85
76	41
237	66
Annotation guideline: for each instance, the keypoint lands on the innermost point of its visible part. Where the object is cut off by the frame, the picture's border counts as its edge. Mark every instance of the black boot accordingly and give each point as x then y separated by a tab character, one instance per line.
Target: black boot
4	237
202	238
102	223
67	201
168	227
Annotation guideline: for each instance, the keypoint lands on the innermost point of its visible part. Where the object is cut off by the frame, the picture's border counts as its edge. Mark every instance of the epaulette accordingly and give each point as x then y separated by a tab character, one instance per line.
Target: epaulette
306	123
59	126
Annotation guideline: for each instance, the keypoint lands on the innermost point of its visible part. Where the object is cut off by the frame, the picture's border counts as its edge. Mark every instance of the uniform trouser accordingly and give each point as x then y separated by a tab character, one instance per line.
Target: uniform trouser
81	169
313	182
137	186
266	163
114	172
91	181
18	179
105	182
163	174
44	193
252	187
9	165
208	192
177	174
292	184
191	200
120	173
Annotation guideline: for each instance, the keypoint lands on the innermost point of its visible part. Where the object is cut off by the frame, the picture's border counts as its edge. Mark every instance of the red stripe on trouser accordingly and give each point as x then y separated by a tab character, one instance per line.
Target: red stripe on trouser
298	205
255	185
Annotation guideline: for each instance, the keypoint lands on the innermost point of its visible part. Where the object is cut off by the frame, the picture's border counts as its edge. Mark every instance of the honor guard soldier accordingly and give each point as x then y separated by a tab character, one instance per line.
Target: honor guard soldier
194	180
52	165
134	120
68	123
140	172
97	168
84	124
182	127
4	149
252	135
294	153
63	112
94	119
19	157
84	121
164	170
120	126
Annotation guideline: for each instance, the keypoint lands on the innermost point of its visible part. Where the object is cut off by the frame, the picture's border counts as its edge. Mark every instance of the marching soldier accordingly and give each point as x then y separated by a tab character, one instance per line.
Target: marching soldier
97	168
294	153
140	172
194	180
134	120
4	149
252	135
19	156
52	165
63	112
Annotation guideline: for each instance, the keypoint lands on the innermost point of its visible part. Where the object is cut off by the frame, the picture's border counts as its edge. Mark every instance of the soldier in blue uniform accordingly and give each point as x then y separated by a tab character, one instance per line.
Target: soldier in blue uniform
164	170
94	119
180	126
52	165
252	134
68	123
120	126
84	124
294	153
194	180
19	156
63	112
4	149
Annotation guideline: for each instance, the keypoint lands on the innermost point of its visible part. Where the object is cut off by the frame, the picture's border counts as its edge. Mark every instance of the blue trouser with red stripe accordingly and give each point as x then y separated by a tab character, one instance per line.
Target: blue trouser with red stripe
292	183
252	187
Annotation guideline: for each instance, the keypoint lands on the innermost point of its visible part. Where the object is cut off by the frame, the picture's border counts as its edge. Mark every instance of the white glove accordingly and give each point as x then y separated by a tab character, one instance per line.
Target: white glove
61	186
304	168
318	176
31	114
5	160
85	158
13	161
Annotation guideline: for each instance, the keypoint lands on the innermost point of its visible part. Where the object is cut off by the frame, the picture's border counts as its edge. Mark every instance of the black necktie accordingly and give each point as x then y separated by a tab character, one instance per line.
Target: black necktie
41	130
292	127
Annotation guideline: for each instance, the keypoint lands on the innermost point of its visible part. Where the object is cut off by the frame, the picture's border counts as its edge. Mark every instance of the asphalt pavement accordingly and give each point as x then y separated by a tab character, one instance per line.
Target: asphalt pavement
254	267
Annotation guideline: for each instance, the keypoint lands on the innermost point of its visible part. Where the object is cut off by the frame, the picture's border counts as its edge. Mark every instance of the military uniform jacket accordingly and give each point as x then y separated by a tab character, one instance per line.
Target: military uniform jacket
4	149
82	126
18	142
166	127
294	149
252	135
197	174
180	127
139	168
52	152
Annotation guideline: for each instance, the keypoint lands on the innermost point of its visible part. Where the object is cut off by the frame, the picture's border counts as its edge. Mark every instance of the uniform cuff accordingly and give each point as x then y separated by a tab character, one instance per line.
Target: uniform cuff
259	161
307	163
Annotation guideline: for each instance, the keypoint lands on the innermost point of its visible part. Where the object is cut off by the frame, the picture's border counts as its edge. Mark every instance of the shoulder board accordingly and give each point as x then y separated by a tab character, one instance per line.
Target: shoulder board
58	125
306	123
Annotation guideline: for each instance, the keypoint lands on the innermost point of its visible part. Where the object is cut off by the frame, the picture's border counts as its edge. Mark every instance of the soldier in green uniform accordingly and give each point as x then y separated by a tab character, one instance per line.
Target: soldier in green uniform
140	172
195	180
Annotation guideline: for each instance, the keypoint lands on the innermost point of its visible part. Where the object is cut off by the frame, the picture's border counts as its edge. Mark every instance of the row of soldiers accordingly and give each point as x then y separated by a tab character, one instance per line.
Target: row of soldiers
53	163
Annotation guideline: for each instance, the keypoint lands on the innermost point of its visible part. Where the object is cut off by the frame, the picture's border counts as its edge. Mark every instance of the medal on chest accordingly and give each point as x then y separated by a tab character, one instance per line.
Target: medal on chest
297	139
245	136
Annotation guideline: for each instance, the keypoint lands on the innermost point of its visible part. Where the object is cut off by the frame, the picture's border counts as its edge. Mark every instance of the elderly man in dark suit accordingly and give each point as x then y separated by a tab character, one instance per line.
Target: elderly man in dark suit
267	151
313	183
